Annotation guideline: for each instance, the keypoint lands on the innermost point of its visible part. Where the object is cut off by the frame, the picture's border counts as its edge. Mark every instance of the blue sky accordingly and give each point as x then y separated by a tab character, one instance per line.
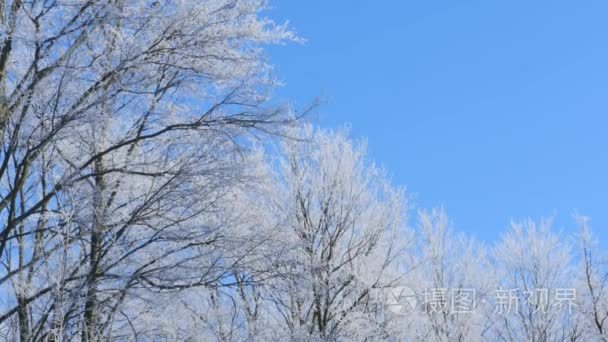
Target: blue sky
496	110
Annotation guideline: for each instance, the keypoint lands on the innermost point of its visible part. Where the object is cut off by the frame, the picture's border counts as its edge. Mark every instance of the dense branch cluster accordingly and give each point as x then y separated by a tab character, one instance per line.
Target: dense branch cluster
150	190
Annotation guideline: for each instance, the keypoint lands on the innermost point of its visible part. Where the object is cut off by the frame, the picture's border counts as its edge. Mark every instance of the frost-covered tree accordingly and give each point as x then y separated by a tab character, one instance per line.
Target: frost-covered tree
592	270
343	238
535	296
453	279
125	130
143	196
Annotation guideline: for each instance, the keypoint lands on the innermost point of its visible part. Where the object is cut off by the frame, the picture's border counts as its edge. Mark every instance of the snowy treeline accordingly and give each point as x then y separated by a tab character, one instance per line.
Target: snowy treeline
150	190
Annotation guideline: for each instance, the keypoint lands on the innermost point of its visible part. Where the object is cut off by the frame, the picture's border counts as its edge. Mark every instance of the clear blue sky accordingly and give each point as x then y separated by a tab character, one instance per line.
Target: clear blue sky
496	110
